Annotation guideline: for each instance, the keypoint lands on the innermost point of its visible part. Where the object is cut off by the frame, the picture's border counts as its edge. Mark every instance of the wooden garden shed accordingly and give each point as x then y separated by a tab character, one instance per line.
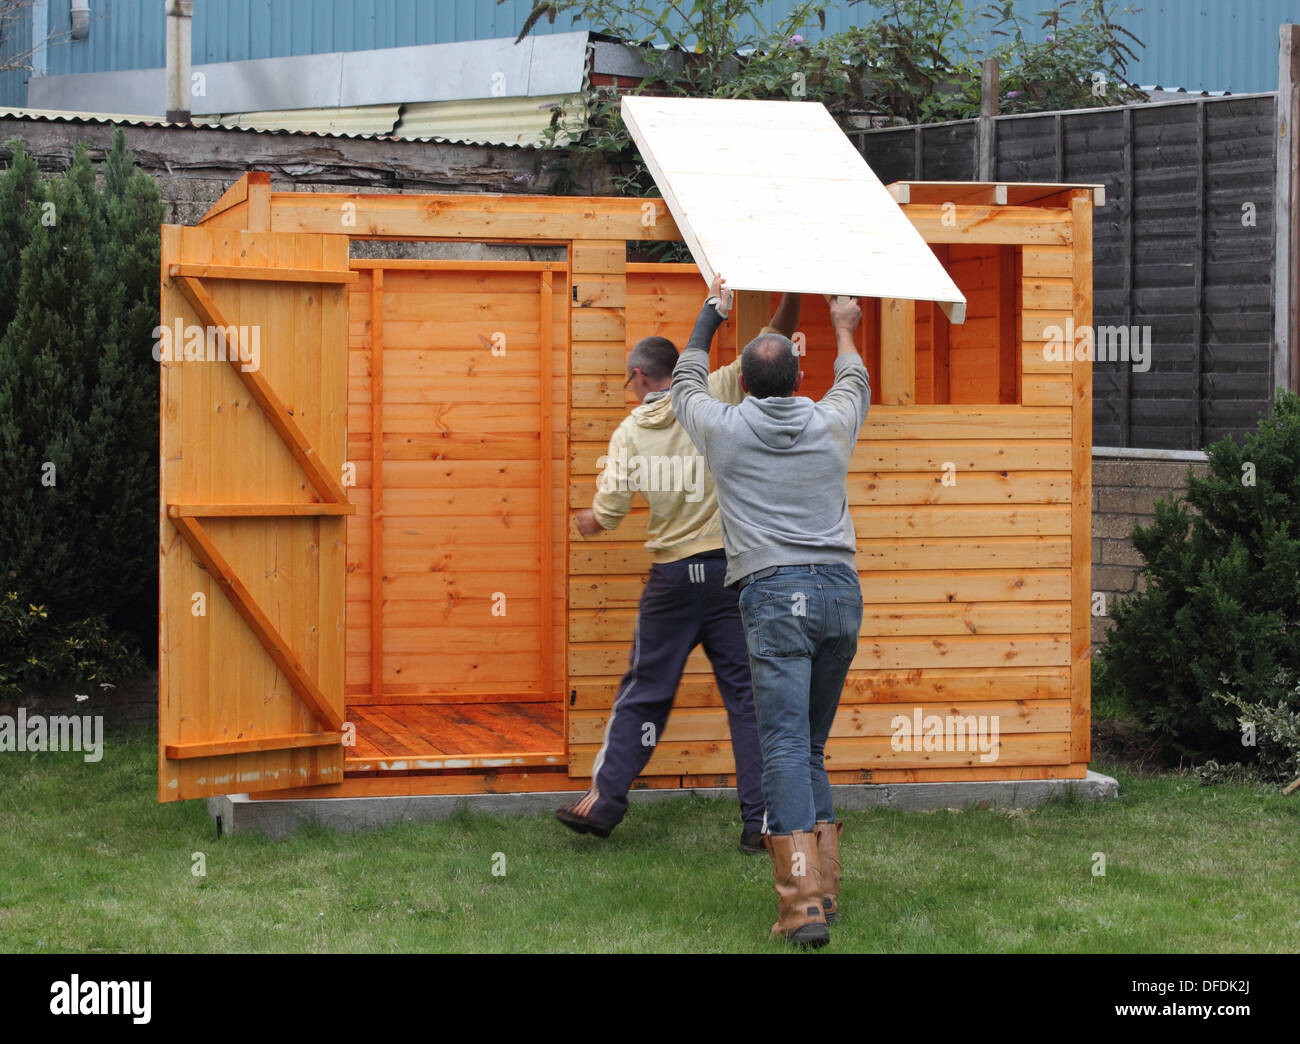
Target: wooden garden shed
370	581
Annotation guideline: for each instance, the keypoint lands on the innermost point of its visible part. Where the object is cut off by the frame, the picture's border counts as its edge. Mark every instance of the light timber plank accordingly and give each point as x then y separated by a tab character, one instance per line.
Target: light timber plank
787	176
482	218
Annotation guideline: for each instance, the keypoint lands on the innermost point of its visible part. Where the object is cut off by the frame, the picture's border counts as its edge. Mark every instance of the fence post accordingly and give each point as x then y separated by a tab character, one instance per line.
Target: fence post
987	158
1286	214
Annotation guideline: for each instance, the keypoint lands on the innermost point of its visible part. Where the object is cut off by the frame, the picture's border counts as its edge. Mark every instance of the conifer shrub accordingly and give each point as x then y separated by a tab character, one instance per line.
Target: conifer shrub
1221	609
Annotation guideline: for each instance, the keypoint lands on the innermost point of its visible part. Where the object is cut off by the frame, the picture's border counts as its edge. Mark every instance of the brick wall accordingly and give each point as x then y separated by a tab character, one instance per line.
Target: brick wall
1124	494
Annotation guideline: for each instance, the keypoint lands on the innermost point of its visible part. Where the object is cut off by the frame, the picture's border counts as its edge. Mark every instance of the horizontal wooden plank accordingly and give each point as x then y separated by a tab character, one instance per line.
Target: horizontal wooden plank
1047	389
432	762
444	699
913	685
957	551
1044	748
1035	359
710	723
961	520
988	225
971	772
961	422
904	653
989	455
257	510
400	267
893	654
244	745
1041	292
878	621
457	782
599	291
598	256
598	324
1009	487
621	591
482	218
960	552
273	275
1055	262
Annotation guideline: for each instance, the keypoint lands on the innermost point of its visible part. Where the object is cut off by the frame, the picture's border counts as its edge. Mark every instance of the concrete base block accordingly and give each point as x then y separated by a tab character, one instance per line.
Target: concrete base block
278	819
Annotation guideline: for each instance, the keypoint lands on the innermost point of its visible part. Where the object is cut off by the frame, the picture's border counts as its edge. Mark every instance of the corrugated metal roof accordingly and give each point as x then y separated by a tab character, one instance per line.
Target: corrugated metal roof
62	116
486	121
352	122
496	121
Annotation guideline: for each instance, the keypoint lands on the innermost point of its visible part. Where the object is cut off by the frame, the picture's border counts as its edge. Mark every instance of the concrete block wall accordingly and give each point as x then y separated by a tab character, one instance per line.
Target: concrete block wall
1124	494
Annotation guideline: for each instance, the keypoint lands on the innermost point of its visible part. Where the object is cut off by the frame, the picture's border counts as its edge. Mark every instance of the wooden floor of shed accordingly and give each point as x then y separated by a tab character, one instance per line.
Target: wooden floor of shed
402	737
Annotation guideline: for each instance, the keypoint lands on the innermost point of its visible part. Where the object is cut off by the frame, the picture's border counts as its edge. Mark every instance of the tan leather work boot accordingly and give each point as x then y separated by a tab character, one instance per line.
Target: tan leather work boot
828	858
800	916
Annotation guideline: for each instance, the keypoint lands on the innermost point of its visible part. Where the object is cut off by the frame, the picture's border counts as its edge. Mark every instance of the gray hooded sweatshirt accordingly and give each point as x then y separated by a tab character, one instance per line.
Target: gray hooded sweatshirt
780	464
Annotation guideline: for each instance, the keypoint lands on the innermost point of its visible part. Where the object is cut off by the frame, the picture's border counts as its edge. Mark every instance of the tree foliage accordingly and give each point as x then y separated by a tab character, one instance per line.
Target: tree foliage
79	392
917	61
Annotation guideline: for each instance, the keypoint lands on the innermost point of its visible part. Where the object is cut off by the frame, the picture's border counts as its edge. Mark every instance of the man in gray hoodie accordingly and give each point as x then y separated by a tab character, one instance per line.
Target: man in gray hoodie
780	463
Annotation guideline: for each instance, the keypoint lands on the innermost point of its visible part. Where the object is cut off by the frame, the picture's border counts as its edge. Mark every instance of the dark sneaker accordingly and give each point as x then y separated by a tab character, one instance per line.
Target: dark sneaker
751	842
577	816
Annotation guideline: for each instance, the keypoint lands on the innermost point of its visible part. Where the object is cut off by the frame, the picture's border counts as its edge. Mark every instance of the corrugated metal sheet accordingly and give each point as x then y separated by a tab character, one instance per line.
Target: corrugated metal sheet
497	121
130	34
1198	44
249	126
1215	45
362	120
490	121
480	69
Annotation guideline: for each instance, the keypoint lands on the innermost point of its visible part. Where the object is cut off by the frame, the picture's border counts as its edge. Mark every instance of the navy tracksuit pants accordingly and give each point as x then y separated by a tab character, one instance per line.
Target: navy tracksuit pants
684	604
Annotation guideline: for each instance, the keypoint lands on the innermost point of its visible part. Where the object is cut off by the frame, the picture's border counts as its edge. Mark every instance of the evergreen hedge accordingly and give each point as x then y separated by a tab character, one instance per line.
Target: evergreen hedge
79	279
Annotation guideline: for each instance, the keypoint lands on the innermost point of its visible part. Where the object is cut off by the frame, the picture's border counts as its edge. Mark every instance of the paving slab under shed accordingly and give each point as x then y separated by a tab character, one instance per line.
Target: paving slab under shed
236	814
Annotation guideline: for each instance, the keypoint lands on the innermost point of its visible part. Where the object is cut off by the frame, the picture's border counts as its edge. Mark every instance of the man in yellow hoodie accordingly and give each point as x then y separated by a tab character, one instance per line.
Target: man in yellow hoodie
685	602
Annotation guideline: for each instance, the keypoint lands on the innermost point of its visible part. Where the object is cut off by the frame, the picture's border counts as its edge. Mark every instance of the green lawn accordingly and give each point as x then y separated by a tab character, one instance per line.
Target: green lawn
90	862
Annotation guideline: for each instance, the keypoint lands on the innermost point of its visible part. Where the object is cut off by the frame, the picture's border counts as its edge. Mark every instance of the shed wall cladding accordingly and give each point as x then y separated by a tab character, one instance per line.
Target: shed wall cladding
1007	652
976	589
1178	180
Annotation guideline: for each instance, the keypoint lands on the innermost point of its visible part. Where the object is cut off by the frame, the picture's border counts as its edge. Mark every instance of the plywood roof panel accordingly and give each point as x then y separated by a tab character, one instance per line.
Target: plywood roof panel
775	197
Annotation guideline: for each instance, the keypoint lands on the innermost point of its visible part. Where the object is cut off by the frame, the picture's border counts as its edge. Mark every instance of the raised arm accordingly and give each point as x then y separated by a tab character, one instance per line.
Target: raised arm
850	395
786	317
693	403
846	313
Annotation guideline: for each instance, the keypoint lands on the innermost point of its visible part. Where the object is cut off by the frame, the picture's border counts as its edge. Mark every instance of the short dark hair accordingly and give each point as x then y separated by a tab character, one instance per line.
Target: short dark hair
770	366
654	356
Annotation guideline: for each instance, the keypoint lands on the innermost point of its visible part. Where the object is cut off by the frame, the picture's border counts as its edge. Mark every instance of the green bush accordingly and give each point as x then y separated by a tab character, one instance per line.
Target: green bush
79	392
1221	611
37	652
1274	732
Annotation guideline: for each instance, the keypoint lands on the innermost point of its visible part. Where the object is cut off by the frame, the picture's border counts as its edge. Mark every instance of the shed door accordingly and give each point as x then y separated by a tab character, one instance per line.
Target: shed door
253	348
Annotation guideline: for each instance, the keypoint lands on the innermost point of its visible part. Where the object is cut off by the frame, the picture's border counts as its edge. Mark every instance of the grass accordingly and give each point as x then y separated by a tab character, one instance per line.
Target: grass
91	863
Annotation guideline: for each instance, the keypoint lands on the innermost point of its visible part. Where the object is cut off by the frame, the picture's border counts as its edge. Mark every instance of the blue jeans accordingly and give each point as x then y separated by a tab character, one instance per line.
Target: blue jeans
801	627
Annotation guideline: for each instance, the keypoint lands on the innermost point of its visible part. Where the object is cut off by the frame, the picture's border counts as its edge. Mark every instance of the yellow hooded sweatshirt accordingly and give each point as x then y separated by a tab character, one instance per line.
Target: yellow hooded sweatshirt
651	453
